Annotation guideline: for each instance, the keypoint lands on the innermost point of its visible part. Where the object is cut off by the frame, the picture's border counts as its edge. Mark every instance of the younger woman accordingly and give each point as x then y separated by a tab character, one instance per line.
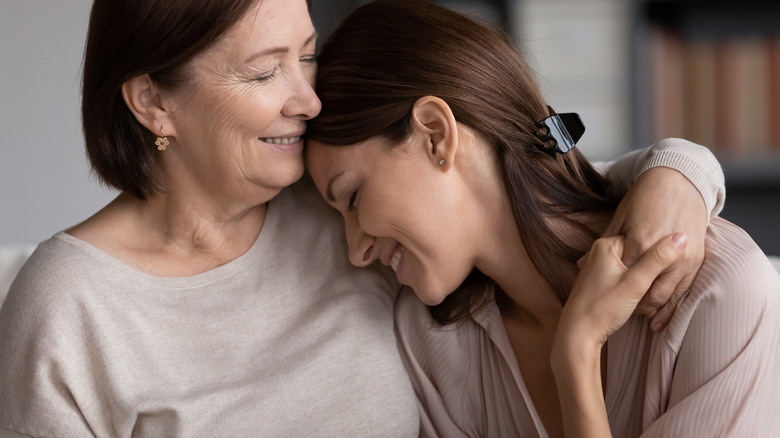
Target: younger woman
435	144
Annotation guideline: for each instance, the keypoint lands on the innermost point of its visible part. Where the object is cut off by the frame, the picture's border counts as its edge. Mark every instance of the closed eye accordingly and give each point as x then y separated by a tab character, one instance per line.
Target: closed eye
265	77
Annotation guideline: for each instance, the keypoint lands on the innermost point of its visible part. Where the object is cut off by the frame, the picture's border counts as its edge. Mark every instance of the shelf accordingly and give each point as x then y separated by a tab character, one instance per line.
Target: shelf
709	71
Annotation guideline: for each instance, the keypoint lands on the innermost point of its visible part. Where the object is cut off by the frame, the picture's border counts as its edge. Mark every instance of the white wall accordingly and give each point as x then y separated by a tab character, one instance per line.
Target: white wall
580	51
45	184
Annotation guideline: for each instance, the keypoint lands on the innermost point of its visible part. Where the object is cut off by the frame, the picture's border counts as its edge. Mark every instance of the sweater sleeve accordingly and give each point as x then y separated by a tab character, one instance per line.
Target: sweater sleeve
715	370
696	162
37	398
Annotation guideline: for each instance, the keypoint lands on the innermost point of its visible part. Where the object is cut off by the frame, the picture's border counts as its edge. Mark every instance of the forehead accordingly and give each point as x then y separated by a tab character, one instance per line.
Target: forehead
267	24
327	161
324	160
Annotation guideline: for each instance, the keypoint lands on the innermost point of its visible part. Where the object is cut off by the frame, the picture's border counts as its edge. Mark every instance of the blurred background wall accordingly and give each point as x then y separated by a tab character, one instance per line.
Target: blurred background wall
635	70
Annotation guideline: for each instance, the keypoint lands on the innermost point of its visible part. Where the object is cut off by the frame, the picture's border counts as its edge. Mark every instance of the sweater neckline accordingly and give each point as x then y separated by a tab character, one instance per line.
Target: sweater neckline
249	258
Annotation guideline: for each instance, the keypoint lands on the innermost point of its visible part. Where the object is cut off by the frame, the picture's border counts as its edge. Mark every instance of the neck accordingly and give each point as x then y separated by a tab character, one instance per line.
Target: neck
502	255
200	223
529	298
173	236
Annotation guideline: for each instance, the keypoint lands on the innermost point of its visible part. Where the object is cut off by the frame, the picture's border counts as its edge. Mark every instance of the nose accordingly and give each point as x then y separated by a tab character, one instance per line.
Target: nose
362	251
303	102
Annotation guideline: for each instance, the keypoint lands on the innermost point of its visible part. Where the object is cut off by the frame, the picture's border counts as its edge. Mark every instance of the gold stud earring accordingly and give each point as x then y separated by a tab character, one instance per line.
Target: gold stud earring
162	141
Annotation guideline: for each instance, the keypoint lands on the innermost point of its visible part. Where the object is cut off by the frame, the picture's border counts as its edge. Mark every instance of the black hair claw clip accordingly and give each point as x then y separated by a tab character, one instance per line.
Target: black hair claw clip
559	132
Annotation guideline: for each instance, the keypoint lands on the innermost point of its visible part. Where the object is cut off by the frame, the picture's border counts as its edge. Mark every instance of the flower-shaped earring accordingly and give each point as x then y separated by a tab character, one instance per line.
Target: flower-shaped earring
162	141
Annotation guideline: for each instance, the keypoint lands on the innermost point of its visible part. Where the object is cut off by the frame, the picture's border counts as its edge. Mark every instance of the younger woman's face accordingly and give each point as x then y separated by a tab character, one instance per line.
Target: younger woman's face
400	207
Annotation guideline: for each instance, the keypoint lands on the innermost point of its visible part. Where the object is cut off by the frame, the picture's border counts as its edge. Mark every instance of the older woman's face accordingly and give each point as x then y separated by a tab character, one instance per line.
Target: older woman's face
239	127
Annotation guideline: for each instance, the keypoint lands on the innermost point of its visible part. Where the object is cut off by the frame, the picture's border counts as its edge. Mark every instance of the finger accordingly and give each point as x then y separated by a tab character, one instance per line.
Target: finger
633	251
661	319
606	248
659	257
613	229
618	222
662	288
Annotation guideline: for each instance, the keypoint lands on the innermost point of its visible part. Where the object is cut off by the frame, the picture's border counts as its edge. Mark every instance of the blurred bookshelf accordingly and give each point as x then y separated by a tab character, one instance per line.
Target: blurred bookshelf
641	70
709	71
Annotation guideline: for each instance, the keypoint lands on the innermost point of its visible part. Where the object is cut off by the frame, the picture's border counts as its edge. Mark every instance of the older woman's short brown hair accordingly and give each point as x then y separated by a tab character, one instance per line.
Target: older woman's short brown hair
131	38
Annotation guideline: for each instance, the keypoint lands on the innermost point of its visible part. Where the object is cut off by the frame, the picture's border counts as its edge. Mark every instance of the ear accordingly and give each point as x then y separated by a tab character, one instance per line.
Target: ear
433	118
142	97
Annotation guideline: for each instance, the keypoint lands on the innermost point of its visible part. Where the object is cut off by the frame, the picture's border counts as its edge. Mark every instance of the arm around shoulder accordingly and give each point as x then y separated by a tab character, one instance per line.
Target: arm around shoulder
697	163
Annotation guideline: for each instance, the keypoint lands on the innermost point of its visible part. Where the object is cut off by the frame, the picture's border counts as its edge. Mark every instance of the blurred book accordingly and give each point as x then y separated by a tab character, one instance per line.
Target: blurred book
722	93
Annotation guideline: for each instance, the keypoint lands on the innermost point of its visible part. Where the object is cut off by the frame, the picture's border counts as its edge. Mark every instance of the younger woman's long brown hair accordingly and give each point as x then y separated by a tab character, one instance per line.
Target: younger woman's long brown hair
389	53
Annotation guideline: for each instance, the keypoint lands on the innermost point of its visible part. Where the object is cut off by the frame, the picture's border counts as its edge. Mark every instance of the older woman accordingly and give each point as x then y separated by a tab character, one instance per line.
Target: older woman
190	306
448	166
207	299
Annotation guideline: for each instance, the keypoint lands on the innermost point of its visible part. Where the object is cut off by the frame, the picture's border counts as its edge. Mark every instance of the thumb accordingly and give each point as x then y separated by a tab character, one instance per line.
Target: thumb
659	257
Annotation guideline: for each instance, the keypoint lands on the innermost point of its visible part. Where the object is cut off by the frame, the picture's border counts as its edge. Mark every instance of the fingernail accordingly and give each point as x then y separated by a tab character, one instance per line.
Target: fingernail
679	240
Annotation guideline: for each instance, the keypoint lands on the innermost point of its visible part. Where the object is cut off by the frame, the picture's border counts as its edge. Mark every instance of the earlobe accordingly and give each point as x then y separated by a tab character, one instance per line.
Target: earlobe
142	98
432	118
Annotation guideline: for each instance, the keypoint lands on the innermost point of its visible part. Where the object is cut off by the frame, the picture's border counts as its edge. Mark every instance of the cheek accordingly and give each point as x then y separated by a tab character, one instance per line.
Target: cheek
447	265
251	110
232	106
436	266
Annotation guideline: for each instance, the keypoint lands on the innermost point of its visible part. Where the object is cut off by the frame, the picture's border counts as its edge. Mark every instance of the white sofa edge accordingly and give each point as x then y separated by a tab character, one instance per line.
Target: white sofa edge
12	257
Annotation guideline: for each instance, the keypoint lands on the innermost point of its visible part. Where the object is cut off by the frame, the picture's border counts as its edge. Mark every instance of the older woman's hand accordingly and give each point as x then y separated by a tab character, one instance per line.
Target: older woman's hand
662	201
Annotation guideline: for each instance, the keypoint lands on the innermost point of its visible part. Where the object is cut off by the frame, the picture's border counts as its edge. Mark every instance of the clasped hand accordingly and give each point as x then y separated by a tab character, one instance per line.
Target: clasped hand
661	202
607	291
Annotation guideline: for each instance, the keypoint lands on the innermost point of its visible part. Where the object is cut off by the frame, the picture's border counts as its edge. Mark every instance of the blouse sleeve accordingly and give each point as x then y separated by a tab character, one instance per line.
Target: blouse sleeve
715	370
696	162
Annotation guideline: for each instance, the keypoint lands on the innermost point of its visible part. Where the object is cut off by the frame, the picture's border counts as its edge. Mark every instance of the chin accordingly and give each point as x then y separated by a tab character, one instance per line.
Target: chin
289	177
431	299
297	175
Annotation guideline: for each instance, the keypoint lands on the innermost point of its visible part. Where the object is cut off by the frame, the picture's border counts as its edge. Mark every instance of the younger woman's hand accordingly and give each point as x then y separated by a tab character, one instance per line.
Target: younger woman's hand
606	291
604	296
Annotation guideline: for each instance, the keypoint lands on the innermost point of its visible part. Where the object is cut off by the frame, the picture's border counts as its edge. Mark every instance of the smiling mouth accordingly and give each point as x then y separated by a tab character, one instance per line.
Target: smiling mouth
281	140
396	260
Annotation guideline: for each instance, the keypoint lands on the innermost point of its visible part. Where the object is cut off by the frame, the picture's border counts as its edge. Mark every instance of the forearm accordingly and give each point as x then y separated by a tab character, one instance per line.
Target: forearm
577	368
695	162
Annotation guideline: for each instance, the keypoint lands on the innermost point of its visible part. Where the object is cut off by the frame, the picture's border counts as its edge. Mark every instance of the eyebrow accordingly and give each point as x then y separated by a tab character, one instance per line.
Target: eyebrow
329	191
275	50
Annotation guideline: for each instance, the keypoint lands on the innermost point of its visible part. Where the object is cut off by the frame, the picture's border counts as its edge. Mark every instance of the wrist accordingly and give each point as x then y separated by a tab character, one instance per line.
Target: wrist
573	348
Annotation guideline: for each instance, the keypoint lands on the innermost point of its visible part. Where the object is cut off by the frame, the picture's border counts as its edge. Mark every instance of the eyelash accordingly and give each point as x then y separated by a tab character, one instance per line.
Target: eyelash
266	78
309	59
